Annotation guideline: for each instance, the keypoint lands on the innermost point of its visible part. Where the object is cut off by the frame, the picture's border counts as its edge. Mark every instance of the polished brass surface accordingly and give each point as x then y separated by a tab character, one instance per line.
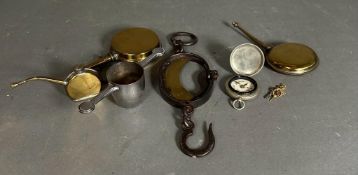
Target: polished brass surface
140	45
173	83
135	44
83	86
286	58
292	58
80	85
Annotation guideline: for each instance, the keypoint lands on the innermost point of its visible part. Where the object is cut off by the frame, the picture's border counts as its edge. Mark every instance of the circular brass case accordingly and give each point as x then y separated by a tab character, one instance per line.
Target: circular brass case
292	58
135	44
83	86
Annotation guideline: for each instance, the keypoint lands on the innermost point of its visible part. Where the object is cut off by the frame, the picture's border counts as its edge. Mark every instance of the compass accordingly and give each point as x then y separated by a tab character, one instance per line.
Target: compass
246	60
242	85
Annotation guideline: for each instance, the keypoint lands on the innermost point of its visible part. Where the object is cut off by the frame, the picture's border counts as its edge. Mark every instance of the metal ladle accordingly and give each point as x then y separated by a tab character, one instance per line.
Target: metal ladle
286	58
81	84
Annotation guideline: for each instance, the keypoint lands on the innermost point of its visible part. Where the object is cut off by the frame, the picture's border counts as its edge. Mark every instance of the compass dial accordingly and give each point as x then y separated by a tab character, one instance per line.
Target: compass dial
242	85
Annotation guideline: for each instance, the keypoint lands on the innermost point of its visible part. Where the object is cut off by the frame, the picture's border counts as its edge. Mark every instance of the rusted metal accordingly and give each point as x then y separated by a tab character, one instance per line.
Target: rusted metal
188	103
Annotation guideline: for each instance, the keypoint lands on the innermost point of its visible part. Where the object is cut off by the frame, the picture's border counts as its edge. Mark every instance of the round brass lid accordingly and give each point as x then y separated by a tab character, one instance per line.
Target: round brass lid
292	58
135	44
83	86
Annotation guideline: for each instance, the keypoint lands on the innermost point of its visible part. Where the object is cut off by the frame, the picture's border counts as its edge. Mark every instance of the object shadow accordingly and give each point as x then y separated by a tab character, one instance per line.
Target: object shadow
59	70
220	53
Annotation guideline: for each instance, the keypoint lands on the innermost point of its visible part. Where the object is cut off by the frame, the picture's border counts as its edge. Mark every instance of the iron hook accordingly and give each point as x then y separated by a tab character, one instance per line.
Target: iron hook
188	127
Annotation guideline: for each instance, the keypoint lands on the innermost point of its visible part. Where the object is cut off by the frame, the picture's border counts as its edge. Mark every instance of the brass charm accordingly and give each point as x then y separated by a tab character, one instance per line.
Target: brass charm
277	91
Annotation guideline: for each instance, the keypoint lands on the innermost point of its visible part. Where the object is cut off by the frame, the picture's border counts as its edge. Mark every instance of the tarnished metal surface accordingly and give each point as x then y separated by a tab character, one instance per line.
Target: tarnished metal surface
173	91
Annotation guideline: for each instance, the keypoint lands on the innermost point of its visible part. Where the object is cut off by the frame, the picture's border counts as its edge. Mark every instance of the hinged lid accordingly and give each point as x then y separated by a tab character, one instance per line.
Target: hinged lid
135	44
247	59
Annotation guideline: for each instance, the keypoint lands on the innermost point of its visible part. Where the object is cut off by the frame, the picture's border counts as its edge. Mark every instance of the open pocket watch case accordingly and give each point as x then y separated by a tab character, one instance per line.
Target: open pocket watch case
287	58
246	60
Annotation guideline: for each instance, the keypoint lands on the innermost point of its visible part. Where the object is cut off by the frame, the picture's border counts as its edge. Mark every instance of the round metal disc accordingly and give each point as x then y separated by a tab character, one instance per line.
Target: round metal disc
292	58
247	59
135	44
83	86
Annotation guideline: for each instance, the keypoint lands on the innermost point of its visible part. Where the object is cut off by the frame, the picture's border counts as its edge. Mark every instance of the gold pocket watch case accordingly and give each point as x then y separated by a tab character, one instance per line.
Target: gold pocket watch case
292	58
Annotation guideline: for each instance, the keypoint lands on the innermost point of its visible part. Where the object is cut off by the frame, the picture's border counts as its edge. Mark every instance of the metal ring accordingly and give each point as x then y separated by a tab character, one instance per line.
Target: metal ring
238	104
198	99
192	38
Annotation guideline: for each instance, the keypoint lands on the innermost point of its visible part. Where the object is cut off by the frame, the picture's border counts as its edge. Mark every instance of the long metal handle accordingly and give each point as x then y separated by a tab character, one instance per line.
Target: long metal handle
15	84
89	106
101	60
251	37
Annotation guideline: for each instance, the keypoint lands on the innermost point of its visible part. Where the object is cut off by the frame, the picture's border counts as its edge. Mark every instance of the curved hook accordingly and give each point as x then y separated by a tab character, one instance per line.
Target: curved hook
200	152
188	127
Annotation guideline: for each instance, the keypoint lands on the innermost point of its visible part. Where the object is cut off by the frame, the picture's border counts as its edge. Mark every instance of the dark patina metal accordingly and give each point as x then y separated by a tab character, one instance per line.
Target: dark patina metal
188	106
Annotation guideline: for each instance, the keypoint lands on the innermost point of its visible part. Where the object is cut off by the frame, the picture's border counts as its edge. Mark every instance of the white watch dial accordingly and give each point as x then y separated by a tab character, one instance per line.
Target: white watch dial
242	85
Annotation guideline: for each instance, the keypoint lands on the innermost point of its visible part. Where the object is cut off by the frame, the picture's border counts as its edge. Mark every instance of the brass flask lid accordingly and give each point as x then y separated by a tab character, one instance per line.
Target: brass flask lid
135	44
83	86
